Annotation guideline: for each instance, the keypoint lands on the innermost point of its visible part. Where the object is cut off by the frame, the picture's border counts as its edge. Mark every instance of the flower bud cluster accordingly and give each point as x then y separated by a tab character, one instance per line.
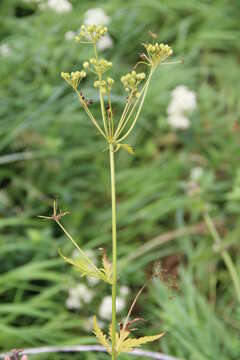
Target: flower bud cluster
131	81
100	66
105	85
158	52
74	78
91	33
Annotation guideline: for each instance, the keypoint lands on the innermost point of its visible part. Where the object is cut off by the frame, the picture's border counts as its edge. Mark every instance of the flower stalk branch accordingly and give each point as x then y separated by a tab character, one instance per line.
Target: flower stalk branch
114	249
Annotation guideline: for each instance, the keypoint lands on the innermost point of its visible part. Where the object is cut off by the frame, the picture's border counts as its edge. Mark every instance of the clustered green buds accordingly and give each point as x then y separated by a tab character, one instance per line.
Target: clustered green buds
105	86
91	33
74	78
131	82
157	53
100	66
86	65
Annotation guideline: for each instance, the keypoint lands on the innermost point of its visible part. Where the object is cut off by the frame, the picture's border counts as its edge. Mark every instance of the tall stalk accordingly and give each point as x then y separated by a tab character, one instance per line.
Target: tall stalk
113	134
114	249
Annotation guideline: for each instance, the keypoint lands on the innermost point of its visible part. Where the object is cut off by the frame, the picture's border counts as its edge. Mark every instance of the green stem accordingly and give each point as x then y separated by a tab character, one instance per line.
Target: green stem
80	250
121	337
90	114
114	250
143	93
110	120
102	105
124	114
225	255
100	93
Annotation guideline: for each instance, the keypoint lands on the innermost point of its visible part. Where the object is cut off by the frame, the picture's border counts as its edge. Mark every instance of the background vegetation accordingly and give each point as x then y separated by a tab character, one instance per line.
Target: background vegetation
48	147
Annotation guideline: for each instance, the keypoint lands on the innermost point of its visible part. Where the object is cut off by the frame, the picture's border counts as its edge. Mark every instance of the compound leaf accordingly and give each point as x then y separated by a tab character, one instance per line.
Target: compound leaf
100	336
129	344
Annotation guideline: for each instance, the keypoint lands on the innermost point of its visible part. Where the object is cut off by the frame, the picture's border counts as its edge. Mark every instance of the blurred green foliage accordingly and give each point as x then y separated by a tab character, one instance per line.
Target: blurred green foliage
48	147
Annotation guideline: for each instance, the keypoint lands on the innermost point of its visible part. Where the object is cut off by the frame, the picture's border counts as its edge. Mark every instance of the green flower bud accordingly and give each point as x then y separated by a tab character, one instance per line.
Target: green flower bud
131	82
91	33
110	81
86	65
65	76
83	74
157	53
74	78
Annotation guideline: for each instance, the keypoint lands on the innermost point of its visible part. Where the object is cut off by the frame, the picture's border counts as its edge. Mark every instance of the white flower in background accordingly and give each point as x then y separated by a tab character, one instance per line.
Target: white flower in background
78	296
196	173
59	6
182	100
5	50
91	254
192	186
105	43
105	309
88	324
92	281
69	35
120	304
178	121
124	291
96	16
32	1
76	254
73	303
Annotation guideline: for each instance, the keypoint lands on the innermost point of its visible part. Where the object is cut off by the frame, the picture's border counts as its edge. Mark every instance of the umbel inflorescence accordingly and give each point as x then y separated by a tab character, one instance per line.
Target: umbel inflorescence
114	131
135	84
